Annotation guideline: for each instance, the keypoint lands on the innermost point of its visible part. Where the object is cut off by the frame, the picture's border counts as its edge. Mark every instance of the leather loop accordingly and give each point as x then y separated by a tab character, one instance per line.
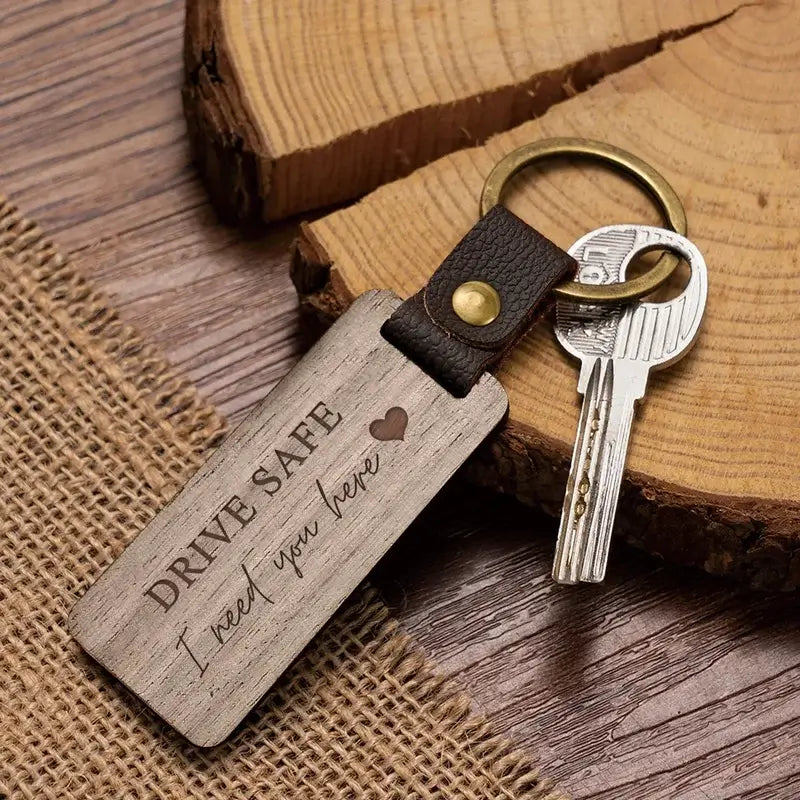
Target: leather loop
522	265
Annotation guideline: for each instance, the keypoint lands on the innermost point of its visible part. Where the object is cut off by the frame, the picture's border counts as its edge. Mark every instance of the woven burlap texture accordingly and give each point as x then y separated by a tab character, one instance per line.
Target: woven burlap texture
97	434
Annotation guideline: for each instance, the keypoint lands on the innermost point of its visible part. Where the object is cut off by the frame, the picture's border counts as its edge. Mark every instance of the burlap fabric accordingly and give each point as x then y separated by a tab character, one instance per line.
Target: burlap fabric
97	433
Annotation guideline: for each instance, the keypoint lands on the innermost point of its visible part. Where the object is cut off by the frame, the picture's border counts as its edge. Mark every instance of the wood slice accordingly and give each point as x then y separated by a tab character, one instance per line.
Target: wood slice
713	479
295	104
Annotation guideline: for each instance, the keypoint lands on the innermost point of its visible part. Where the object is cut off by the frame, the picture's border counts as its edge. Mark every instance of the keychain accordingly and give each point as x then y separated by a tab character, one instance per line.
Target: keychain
222	590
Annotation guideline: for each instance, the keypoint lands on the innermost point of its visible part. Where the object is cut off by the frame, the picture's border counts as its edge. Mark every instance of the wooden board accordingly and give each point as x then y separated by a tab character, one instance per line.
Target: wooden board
670	684
209	605
295	105
713	478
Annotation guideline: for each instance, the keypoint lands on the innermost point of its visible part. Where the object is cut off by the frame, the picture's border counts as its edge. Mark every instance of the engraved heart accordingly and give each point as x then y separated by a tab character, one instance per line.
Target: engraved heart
392	427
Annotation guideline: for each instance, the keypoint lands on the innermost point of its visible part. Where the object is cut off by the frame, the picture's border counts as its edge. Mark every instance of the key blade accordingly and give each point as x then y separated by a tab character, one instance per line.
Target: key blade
573	541
609	482
598	463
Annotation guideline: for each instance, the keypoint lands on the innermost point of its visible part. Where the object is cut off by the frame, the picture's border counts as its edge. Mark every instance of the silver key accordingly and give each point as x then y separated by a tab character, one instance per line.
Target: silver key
617	346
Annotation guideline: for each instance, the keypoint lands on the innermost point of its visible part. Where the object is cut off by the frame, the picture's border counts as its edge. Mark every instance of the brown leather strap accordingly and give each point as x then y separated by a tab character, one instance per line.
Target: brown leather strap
503	251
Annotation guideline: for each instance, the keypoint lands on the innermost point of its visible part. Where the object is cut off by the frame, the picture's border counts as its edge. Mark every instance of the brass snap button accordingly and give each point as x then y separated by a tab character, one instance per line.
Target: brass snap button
476	303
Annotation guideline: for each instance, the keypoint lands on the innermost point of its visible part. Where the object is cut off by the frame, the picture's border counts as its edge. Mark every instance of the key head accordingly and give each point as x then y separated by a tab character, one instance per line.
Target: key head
653	334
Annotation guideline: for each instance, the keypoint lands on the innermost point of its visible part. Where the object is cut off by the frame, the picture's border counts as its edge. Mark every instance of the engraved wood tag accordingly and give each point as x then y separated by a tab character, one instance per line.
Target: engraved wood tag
215	598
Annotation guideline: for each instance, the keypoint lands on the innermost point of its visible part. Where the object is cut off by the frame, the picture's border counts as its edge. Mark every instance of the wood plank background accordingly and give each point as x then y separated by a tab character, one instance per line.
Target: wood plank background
660	684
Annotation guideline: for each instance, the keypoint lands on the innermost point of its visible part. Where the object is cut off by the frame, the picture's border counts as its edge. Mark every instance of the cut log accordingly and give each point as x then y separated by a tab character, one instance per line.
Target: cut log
713	479
294	104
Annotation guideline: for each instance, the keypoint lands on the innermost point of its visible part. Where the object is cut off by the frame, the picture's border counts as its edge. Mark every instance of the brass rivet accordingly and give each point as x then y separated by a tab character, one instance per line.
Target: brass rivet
476	302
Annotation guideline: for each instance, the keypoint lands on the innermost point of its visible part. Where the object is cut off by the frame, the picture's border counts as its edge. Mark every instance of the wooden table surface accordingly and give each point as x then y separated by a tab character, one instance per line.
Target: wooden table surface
659	684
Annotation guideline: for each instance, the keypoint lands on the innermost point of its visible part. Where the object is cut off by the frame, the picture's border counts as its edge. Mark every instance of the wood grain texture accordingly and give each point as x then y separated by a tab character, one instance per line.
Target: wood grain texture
296	105
693	688
218	595
712	467
658	684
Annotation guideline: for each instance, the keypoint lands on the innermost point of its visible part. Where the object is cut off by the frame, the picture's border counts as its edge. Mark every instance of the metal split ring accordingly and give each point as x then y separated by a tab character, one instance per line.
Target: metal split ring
651	180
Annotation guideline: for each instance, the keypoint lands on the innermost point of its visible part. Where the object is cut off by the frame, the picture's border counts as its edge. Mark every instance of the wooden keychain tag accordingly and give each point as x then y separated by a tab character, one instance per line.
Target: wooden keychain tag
222	590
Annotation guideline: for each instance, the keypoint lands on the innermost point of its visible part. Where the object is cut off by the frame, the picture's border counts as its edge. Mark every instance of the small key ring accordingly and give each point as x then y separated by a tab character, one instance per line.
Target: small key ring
650	179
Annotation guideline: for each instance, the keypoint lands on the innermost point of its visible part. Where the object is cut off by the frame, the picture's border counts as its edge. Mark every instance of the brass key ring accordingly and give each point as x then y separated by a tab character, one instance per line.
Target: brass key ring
651	180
